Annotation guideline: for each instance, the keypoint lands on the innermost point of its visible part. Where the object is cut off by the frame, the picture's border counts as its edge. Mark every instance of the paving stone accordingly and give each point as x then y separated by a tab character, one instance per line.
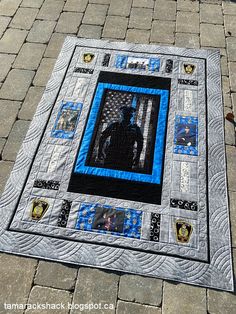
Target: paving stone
95	14
232	203
100	1
187	40
231	48
188	5
16	274
224	65
226	91
138	36
4	21
218	40
32	3
229	8
140	18
16	84
221	302
86	290
231	166
115	27
31	102
29	56
15	140
229	129
2	143
121	7
143	4
55	275
44	72
162	32
134	288
230	25
187	22
165	10
12	40
55	44
134	308
9	111
5	170
5	64
24	18
90	31
232	76
210	13
188	299
50	296
51	9
75	5
41	31
213	1
9	7
74	21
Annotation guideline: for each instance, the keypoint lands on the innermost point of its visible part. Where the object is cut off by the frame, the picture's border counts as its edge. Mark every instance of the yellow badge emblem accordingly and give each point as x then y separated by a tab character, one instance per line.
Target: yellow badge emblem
39	208
189	68
183	231
88	57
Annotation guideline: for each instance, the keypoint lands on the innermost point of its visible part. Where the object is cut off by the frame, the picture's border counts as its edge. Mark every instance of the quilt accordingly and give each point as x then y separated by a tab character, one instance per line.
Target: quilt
123	166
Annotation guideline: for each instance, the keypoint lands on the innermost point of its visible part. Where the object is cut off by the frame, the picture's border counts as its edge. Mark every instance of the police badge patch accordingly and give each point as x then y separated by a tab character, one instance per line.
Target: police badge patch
189	68
183	231
88	57
39	208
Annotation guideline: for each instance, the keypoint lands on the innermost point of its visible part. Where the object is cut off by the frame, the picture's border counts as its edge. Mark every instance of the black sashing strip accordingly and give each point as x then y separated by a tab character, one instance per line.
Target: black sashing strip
83	70
64	214
48	185
183	204
188	82
106	59
155	227
169	66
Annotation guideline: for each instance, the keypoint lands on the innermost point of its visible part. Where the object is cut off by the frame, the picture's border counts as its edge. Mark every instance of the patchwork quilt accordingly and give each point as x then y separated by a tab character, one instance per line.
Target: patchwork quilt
123	166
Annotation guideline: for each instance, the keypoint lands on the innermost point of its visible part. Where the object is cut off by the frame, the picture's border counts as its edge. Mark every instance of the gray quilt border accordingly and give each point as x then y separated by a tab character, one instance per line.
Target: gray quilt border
216	274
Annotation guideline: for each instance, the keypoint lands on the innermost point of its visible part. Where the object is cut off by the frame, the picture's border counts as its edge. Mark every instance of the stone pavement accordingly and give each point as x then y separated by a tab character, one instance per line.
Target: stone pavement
31	35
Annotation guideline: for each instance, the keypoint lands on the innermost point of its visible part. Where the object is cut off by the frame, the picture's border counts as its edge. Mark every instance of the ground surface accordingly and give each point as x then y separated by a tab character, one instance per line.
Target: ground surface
31	35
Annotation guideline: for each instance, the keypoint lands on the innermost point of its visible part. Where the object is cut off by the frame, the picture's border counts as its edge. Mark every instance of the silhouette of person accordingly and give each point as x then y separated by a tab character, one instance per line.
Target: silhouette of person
186	137
119	153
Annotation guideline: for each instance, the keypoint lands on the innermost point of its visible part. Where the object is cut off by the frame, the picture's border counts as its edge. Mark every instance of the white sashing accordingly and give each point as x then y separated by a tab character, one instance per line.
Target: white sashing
188	100
53	164
184	176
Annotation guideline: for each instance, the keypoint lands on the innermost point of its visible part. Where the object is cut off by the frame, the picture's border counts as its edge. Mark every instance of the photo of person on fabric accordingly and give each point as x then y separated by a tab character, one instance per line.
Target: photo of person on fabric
186	135
119	153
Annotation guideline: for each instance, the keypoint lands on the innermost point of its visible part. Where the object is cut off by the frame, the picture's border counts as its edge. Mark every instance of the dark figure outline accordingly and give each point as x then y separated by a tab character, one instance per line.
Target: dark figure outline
119	153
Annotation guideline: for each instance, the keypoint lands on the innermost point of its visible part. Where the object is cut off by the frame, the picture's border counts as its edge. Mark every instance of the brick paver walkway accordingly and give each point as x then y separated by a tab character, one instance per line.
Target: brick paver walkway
31	35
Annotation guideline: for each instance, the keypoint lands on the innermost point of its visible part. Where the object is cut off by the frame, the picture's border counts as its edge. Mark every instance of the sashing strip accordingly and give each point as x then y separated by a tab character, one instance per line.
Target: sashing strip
155	227
109	220
48	185
188	205
64	214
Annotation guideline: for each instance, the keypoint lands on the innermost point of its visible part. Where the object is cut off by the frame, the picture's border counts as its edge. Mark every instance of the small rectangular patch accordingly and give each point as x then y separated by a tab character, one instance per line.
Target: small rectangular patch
188	82
106	219
67	120
138	63
186	135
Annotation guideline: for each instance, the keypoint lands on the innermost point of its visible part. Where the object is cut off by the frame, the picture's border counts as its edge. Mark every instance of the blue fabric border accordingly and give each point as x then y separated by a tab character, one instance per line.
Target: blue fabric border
155	177
68	135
